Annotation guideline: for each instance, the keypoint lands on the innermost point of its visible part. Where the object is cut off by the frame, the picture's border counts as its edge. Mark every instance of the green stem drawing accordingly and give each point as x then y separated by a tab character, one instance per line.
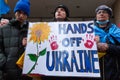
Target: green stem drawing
34	57
33	67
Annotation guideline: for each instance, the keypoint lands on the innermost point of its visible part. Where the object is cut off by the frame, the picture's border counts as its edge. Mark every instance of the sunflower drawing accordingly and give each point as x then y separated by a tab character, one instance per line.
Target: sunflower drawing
39	32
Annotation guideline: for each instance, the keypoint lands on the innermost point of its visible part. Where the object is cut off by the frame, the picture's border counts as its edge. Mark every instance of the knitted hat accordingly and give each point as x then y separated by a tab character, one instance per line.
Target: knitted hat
104	7
23	5
64	7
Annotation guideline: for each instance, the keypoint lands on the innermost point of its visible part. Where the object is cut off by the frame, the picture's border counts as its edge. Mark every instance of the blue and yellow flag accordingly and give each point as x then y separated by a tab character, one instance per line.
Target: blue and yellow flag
4	8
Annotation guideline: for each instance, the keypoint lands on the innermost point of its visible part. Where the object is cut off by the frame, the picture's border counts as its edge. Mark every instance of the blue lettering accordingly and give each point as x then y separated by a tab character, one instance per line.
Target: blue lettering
80	52
69	28
79	28
65	42
93	61
58	61
87	57
73	41
66	64
73	61
90	27
62	28
50	68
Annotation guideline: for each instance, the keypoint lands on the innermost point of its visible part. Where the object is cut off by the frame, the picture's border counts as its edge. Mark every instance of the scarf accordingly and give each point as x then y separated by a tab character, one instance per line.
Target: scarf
112	34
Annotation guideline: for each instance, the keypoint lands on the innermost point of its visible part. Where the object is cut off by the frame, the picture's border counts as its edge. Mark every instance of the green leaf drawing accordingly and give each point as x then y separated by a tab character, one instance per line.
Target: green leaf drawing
41	53
33	57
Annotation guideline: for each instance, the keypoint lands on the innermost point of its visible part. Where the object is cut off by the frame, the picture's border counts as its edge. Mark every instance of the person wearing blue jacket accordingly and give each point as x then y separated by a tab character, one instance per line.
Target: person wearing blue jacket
108	43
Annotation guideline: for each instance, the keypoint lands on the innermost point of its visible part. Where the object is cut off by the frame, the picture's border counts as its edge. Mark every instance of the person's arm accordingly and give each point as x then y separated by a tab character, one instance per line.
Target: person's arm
112	49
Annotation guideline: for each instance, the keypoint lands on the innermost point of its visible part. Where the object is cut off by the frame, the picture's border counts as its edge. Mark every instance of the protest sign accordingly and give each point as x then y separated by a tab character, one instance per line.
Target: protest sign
61	49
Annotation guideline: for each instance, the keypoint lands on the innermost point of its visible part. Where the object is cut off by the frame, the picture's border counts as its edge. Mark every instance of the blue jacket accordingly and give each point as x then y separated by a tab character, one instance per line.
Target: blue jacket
110	63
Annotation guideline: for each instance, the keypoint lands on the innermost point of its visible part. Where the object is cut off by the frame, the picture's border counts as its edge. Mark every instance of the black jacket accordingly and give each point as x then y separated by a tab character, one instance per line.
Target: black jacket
11	48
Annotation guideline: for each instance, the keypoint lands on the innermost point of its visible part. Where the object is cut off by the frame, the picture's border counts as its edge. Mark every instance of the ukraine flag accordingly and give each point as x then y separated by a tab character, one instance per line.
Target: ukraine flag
4	8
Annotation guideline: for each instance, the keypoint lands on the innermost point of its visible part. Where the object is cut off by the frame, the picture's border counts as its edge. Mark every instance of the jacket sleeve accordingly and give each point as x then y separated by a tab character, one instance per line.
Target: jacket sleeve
114	49
2	56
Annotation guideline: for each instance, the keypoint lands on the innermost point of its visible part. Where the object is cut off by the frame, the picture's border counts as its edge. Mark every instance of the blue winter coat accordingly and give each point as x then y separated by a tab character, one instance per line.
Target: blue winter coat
110	63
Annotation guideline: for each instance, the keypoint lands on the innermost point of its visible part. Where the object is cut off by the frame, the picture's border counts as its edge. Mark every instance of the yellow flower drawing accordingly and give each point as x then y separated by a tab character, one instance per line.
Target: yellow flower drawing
39	32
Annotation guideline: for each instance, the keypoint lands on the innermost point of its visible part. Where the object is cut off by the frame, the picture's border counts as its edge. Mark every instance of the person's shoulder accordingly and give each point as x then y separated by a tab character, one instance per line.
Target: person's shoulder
114	26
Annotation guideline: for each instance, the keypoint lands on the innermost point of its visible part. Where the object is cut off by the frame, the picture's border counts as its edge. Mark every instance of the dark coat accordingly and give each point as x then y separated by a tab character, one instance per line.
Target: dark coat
11	48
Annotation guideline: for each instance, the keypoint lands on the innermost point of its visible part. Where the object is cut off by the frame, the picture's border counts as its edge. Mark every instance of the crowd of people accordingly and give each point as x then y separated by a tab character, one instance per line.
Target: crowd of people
13	39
